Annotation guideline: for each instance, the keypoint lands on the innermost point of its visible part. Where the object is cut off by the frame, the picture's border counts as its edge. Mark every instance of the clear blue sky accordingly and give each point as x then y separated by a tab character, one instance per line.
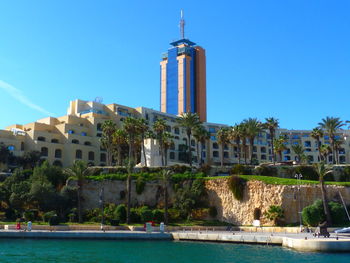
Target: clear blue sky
286	59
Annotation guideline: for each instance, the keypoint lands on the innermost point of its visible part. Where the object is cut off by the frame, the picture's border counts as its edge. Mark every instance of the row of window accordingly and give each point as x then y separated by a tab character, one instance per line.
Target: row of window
78	154
74	141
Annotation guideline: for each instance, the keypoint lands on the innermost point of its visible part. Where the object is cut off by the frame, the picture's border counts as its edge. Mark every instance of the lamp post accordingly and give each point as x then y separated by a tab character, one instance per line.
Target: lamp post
299	177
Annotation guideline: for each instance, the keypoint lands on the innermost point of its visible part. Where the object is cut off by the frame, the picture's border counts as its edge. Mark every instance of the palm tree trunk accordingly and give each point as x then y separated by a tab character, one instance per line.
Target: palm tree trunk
272	134
128	182
222	156
166	202
143	150
319	147
198	161
238	151
325	203
189	149
251	146
80	220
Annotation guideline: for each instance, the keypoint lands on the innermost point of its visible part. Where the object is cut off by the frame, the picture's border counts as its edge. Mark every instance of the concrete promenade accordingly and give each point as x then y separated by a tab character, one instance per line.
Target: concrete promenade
288	238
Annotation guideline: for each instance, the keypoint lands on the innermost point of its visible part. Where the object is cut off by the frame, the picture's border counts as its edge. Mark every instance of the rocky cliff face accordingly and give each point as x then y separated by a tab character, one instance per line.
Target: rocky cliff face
262	196
256	195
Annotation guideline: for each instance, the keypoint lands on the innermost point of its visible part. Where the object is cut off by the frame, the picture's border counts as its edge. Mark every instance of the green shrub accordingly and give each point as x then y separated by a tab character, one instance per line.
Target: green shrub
338	213
140	185
275	213
205	168
48	215
237	185
313	214
54	221
145	214
308	172
266	171
114	222
174	215
134	216
213	211
238	169
158	215
30	215
180	168
257	213
120	213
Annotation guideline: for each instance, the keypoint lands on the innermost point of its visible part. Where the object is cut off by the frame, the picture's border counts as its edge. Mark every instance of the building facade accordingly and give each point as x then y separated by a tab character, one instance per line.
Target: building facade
183	78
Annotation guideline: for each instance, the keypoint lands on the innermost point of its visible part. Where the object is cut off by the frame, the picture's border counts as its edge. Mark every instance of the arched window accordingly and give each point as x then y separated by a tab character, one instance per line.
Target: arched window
263	149
172	155
41	138
75	141
103	157
44	151
215	146
91	156
78	154
54	141
87	143
99	127
58	153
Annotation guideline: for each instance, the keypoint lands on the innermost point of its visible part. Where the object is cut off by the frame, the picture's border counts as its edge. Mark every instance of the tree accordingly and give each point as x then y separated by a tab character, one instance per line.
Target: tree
325	150
253	128
4	154
160	127
79	170
119	139
337	146
272	124
236	135
31	159
280	146
201	135
331	125
322	171
166	177
317	134
108	129
167	142
189	121
223	137
143	129
131	126
298	151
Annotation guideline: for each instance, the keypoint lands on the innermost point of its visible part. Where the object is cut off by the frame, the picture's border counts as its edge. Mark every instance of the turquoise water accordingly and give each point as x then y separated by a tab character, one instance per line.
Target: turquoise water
85	251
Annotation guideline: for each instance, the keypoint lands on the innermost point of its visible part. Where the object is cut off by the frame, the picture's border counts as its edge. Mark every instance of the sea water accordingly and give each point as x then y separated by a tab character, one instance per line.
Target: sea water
88	251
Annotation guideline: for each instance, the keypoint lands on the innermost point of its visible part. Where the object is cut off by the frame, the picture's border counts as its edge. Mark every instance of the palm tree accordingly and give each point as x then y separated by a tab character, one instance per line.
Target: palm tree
166	176
337	146
223	137
189	121
253	128
325	150
119	140
331	125
280	146
272	124
160	127
131	126
322	171
244	137
201	135
79	170
298	151
143	127
4	154
317	134
236	135
108	129
167	142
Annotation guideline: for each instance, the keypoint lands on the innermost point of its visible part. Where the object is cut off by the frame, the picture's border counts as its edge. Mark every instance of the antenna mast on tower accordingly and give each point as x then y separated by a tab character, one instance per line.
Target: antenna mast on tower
182	25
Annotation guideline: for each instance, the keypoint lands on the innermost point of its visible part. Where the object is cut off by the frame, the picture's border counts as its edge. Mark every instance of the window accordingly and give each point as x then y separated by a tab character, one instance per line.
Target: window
226	146
307	144
41	138
215	145
263	157
212	130
177	130
342	159
87	143
58	153
286	158
91	156
307	150
99	127
54	141
44	151
215	154
75	141
71	132
254	149
78	154
226	155
263	150
83	134
99	135
213	138
310	158
341	151
103	157
172	155
193	143
57	163
172	146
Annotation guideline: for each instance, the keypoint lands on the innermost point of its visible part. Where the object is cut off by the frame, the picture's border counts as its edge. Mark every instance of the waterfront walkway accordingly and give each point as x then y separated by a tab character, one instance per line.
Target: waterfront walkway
289	239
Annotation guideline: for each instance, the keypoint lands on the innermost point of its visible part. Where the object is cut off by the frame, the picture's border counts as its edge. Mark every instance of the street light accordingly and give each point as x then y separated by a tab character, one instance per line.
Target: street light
299	177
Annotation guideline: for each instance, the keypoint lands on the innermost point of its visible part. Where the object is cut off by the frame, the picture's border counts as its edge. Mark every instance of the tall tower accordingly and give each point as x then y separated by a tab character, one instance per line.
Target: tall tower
183	77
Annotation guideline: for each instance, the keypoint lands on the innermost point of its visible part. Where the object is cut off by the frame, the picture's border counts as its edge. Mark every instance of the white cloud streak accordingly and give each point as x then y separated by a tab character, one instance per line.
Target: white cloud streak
18	95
